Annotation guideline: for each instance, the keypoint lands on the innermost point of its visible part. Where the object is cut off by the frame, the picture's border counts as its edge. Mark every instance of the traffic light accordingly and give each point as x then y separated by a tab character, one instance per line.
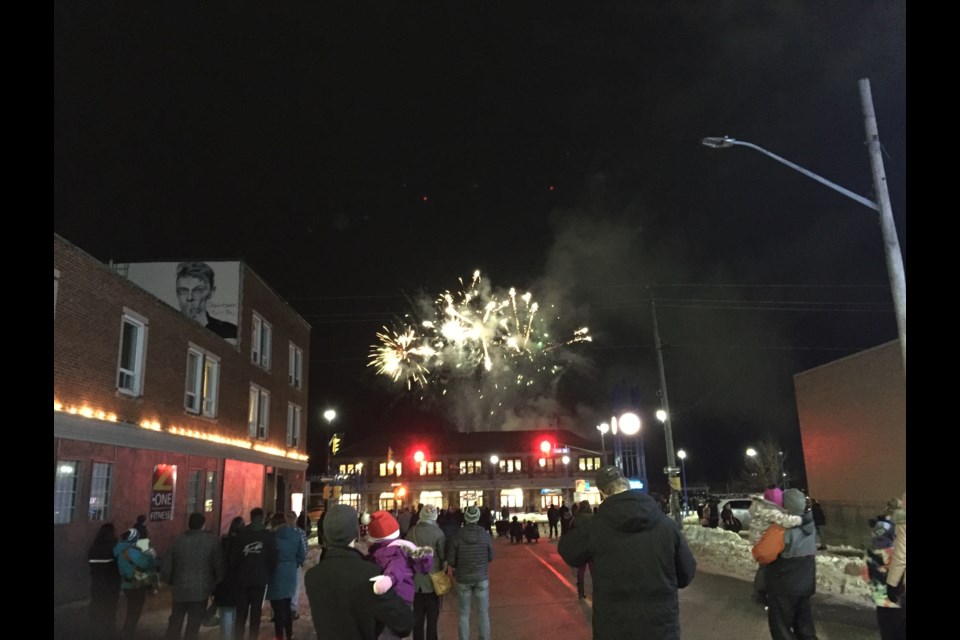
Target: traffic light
335	444
545	446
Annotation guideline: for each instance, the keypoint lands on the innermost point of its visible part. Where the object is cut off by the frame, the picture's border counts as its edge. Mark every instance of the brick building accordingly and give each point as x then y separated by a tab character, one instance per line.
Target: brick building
160	415
853	423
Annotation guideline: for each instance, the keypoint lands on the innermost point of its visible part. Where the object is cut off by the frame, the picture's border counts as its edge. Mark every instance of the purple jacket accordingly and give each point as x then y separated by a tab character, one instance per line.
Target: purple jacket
401	559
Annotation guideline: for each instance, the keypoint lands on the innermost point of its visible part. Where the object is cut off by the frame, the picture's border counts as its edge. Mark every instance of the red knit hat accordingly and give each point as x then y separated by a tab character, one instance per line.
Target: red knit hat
383	526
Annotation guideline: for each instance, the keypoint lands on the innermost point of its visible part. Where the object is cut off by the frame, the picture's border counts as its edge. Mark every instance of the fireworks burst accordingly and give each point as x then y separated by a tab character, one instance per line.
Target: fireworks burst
472	333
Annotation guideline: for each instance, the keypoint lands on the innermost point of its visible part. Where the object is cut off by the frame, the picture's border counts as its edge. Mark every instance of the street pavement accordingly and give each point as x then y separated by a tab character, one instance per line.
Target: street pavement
534	595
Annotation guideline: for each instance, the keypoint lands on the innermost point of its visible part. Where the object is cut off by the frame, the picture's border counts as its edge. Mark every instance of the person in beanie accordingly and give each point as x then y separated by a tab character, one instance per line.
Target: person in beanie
764	511
131	559
342	604
469	553
792	577
399	560
426	603
639	559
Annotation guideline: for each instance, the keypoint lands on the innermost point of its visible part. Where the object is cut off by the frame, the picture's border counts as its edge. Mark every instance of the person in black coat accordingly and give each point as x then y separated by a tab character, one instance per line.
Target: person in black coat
342	601
254	558
104	584
639	560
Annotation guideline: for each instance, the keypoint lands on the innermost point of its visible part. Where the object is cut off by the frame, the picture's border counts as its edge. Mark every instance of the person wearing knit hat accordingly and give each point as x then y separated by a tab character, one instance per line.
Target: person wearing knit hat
470	554
338	587
774	494
382	526
426	603
133	563
792	577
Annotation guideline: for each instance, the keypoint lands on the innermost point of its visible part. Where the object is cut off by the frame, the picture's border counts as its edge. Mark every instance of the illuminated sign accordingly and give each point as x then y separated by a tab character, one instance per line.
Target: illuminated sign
163	490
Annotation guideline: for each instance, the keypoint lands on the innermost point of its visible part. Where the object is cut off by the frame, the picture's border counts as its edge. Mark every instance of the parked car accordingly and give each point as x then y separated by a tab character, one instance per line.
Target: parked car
740	507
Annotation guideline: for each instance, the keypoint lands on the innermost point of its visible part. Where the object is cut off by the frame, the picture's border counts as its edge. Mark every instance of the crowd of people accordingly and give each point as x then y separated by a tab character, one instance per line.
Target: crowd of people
379	574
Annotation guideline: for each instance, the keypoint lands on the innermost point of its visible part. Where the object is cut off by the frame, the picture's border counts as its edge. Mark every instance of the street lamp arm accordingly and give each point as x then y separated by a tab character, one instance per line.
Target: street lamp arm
725	142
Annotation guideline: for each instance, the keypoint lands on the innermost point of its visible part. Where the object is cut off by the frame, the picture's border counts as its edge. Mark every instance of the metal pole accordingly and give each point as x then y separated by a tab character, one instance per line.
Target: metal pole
891	244
667	431
683	476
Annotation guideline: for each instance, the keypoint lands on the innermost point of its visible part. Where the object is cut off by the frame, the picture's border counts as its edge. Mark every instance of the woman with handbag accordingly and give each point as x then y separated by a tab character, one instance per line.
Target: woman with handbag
426	601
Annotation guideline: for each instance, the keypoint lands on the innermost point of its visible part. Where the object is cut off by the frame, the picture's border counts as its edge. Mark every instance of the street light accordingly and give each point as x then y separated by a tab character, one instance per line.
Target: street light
888	229
683	476
603	428
635	465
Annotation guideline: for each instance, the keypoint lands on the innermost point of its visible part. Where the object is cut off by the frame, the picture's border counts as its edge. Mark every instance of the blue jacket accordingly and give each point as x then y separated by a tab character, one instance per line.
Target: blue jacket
130	557
291	554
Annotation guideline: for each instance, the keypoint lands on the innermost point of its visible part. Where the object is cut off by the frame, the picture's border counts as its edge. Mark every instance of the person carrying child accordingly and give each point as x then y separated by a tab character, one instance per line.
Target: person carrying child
400	560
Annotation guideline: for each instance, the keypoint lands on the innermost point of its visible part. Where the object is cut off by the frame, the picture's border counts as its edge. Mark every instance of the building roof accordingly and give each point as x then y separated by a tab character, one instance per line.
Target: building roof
482	443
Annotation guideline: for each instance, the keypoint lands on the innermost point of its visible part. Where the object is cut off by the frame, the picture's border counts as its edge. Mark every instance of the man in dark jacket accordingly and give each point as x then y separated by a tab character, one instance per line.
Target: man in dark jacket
193	566
639	558
553	519
792	577
254	557
342	601
470	553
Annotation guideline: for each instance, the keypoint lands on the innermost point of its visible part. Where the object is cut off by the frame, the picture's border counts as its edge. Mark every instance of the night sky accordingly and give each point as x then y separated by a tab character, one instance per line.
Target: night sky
359	156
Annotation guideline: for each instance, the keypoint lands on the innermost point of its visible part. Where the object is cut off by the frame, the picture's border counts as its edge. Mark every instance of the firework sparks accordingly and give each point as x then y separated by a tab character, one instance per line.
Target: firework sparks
473	331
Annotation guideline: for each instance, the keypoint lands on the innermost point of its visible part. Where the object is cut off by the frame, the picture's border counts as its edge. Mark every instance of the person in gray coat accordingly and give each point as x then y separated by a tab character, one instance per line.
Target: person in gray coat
426	603
193	566
470	553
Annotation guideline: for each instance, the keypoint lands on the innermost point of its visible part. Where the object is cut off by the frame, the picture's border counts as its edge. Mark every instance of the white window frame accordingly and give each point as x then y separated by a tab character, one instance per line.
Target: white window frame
261	340
130	378
258	417
101	489
66	487
202	394
294	419
295	366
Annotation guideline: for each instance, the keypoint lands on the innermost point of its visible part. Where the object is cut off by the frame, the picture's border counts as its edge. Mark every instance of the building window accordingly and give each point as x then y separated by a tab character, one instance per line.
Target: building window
195	492
203	382
431	468
210	492
589	463
470	467
293	425
295	367
261	342
65	491
512	465
133	339
549	465
390	468
101	483
259	415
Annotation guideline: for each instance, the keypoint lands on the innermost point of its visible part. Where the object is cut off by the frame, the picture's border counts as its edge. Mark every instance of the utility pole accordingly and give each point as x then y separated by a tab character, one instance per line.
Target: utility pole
672	471
891	244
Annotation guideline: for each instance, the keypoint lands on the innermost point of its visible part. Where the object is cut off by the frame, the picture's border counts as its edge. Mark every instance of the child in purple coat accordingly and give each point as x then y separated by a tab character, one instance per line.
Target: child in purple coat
399	559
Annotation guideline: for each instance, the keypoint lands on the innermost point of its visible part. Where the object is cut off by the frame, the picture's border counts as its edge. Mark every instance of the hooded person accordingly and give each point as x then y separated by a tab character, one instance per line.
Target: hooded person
639	559
792	578
338	587
138	573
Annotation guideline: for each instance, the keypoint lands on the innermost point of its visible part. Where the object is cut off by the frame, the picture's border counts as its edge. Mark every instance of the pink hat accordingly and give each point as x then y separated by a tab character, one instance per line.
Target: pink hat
383	526
774	495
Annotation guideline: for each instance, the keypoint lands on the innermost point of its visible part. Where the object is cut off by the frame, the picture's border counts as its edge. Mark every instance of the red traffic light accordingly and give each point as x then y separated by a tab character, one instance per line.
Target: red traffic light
419	456
545	446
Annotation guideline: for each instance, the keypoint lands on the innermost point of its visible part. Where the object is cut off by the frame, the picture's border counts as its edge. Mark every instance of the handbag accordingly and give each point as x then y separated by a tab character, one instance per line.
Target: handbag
770	545
442	584
212	616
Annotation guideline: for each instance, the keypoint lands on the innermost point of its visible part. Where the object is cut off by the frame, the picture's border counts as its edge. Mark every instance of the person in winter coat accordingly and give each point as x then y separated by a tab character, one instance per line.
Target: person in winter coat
553	519
640	559
897	571
470	553
193	566
342	604
426	603
131	560
227	593
399	559
792	577
764	511
890	618
584	514
291	554
254	558
104	584
516	531
531	532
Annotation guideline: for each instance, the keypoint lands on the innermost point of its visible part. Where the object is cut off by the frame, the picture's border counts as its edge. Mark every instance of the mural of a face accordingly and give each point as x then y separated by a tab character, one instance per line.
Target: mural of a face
193	295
